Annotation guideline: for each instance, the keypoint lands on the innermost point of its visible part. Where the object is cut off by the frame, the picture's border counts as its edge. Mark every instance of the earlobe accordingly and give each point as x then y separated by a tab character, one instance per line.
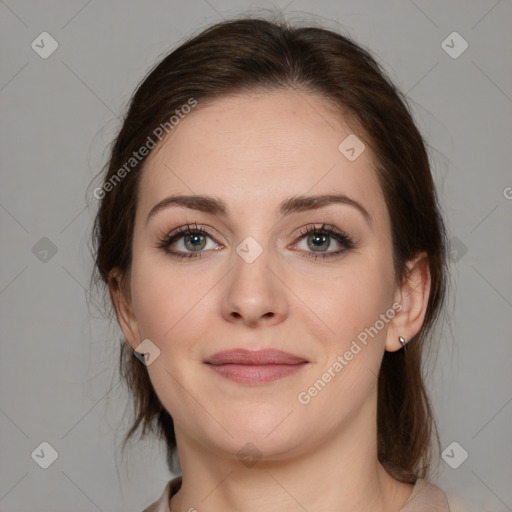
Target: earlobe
413	295
121	300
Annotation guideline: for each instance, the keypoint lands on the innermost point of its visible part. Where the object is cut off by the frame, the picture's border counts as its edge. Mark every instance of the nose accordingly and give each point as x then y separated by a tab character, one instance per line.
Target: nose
253	293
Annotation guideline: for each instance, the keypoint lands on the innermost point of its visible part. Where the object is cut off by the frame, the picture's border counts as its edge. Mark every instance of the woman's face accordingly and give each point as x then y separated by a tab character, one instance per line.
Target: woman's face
255	277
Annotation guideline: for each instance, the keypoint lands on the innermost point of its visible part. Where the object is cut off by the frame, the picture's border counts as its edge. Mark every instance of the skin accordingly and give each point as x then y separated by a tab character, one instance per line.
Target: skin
253	152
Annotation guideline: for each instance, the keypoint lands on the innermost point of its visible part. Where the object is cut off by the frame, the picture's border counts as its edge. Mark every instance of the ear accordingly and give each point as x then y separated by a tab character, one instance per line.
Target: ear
121	299
413	295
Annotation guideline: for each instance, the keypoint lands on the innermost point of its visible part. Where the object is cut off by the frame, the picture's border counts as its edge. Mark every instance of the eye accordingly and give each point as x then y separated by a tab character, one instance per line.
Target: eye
321	239
189	242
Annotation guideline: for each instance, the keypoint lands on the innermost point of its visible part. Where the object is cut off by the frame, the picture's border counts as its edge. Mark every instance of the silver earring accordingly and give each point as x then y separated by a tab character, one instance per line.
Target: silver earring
402	340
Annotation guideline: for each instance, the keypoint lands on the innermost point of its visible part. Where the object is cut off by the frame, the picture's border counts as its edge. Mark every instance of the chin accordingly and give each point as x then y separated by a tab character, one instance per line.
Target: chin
271	433
251	447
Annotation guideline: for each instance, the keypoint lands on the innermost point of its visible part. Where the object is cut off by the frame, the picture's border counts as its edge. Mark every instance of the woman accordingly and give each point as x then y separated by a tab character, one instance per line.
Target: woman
270	236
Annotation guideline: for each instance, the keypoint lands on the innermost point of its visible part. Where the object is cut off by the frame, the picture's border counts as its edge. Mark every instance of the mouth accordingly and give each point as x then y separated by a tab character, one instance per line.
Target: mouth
255	366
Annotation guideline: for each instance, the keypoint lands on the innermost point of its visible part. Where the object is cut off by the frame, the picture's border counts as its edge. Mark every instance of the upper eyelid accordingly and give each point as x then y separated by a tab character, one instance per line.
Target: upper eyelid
181	231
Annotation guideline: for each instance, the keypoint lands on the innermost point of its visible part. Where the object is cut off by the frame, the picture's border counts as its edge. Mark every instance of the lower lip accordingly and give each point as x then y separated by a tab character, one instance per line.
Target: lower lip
256	374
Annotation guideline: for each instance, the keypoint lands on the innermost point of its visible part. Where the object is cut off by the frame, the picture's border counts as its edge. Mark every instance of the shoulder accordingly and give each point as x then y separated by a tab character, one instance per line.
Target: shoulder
162	503
425	497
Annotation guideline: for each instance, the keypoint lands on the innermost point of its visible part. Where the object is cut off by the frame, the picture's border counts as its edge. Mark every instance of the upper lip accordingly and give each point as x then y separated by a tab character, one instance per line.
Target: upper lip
254	357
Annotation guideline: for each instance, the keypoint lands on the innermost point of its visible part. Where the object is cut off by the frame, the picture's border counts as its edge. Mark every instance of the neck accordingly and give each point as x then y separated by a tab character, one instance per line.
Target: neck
343	474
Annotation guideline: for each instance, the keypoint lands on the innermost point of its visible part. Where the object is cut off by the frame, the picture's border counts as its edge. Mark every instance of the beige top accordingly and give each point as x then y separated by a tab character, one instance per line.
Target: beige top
425	497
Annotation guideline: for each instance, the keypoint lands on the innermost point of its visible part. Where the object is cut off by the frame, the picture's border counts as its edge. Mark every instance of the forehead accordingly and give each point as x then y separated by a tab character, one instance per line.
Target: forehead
256	149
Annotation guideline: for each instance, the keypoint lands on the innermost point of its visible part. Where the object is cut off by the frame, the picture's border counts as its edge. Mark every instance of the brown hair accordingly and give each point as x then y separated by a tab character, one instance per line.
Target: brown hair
242	55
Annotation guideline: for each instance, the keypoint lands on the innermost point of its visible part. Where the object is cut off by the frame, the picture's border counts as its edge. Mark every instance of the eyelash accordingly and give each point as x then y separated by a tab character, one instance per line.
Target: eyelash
166	240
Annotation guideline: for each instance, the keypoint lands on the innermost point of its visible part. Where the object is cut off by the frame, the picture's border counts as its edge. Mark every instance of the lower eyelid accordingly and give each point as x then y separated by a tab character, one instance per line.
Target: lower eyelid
183	255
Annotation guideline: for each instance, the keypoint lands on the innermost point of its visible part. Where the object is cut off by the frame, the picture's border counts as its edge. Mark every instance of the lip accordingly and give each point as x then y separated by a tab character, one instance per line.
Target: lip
243	356
255	366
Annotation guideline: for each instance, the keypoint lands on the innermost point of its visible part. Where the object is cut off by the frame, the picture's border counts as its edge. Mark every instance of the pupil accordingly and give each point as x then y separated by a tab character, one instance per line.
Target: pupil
195	241
319	240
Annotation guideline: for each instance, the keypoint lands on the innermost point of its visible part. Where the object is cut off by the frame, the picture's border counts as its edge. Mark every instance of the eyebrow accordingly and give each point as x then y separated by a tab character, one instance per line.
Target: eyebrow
293	204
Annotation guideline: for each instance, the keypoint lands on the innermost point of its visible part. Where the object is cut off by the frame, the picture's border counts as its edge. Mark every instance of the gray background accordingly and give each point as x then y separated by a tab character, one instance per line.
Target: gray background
59	357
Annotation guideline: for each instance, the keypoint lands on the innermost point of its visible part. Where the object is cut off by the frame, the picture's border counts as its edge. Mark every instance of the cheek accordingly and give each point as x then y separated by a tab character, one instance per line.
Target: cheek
350	306
173	307
348	301
160	299
153	303
169	308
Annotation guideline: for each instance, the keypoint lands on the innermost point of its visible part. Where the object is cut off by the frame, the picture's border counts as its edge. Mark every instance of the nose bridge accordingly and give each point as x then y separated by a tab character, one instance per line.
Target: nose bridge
252	259
253	290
